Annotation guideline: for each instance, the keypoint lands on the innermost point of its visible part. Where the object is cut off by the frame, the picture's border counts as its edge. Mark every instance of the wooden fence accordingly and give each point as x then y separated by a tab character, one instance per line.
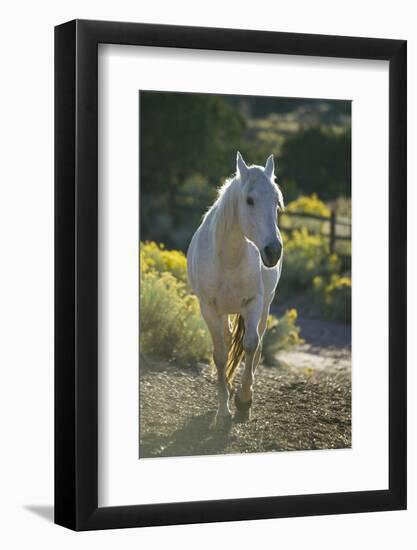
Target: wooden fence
333	221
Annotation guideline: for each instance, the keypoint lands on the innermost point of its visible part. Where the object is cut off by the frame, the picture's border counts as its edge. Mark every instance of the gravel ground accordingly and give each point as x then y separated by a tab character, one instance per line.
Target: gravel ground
305	403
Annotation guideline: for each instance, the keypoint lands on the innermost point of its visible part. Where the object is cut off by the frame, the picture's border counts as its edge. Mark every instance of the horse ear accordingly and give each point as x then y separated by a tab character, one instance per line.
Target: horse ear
270	166
241	167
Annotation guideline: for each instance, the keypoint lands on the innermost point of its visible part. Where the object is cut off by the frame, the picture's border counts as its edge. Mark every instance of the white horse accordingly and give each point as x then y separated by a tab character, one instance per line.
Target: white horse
234	265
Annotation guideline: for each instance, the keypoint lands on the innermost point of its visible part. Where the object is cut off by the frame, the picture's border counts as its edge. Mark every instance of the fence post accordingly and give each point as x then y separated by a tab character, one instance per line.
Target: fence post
332	230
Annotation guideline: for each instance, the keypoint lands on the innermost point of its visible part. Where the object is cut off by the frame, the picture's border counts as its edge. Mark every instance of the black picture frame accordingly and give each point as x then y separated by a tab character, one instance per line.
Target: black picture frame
76	272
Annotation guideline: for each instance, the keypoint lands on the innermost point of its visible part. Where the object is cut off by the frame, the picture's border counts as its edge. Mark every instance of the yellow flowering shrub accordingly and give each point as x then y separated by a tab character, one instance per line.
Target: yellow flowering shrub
308	205
334	297
280	334
171	325
306	255
155	256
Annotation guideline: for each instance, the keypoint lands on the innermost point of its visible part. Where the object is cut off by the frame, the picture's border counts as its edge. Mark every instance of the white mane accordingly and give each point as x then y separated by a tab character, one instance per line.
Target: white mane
221	214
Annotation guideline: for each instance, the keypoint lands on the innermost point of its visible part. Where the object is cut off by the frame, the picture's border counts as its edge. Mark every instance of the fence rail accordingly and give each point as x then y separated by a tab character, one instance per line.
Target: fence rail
317	217
333	221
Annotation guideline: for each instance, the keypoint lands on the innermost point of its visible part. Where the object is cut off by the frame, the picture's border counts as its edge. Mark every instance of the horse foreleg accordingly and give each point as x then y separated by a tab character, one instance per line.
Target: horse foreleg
217	326
253	316
261	330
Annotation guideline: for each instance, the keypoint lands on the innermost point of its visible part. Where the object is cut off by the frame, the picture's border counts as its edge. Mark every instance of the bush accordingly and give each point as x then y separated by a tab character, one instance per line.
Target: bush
155	257
171	326
334	298
309	205
306	256
280	334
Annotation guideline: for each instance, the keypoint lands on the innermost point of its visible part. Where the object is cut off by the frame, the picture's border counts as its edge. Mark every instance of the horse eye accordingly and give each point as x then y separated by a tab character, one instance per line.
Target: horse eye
249	201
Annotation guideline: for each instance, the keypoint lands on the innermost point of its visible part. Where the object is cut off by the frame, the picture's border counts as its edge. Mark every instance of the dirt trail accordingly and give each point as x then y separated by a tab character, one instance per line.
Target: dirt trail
305	403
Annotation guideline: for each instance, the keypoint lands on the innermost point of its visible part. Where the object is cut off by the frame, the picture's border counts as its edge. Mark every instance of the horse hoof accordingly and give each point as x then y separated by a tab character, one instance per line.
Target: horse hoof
242	409
222	423
242	416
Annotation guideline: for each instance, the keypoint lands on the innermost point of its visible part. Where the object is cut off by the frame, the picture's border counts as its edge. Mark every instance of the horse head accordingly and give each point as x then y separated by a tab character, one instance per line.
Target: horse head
259	201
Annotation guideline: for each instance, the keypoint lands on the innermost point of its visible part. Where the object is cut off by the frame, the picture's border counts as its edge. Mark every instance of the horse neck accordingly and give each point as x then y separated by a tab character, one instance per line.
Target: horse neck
230	243
233	248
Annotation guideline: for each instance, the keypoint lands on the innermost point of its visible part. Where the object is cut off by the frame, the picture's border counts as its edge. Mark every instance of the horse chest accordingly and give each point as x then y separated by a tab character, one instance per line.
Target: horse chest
232	294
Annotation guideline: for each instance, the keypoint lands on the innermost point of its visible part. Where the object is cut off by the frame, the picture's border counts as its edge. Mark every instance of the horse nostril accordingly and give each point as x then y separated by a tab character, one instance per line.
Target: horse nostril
272	252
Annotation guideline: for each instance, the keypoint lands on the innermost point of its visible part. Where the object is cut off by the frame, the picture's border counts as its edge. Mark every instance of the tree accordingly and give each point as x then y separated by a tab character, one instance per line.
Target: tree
185	133
319	161
181	135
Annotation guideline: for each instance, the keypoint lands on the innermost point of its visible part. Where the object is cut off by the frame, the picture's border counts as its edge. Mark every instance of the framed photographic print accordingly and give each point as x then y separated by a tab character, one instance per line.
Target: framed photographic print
230	252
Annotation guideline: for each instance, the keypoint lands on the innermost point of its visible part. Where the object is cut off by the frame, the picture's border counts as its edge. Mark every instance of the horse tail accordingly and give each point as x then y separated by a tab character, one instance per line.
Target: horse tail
236	351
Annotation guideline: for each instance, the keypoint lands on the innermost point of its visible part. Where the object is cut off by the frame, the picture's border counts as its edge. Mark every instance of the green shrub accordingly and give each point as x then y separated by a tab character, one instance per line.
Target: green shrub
155	257
171	326
306	256
334	298
280	334
308	205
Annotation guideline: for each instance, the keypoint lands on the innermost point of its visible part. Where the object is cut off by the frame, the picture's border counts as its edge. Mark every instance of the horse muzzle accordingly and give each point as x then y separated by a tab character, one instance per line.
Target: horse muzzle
271	253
